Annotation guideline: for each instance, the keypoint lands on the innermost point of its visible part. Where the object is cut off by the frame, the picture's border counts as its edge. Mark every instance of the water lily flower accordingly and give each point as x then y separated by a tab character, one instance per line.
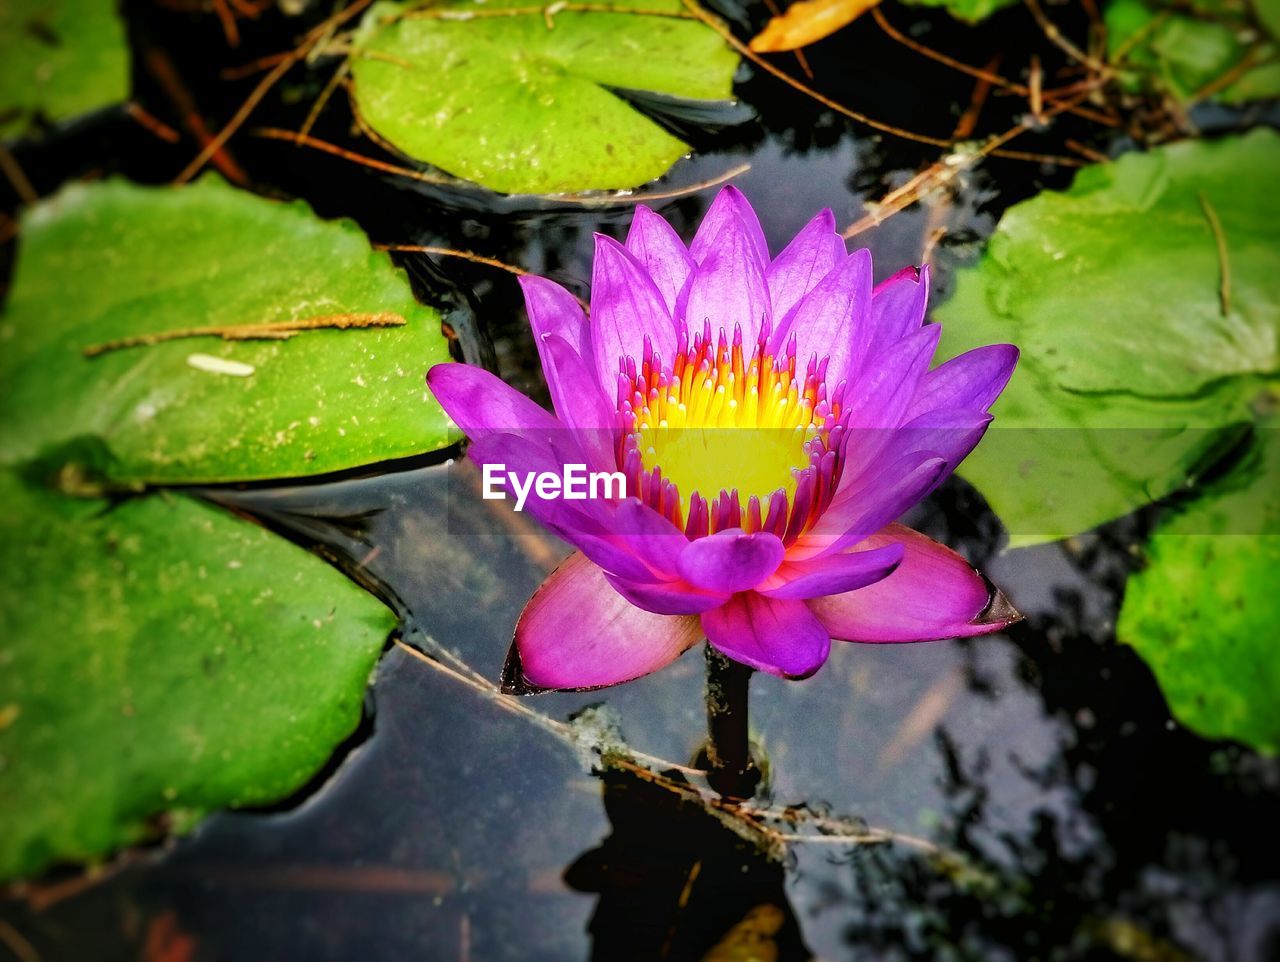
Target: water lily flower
772	417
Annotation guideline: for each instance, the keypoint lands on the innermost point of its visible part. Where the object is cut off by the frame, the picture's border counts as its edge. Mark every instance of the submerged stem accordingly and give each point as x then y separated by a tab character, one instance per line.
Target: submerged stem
731	770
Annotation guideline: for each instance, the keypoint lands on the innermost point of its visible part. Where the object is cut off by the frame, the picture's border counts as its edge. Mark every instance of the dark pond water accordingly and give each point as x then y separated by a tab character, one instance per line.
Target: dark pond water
1076	818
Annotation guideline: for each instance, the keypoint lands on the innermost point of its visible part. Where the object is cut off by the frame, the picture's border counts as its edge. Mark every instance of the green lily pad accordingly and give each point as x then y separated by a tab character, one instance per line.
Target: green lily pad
521	105
1203	613
162	658
1185	50
59	59
1132	376
110	261
970	11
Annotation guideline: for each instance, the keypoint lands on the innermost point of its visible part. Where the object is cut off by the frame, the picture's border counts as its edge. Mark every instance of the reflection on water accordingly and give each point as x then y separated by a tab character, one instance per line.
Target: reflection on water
1051	808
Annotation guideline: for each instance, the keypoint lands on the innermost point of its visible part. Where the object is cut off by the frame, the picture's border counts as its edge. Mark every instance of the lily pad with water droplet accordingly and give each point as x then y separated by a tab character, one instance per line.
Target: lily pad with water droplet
520	99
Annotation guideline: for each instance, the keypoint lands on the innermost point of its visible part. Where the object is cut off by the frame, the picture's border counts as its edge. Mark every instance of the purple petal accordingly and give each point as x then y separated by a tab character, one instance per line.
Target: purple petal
731	560
971	380
832	318
933	594
652	538
781	637
730	210
897	307
881	397
812	254
481	403
660	252
667	597
579	402
625	309
727	289
553	310
529	456
834	574
862	509
577	632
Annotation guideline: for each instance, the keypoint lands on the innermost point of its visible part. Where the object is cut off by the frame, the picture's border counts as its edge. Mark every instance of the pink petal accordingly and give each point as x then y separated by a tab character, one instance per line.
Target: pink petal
626	309
660	252
831	319
780	637
481	403
971	380
730	560
933	594
577	632
881	397
579	402
833	574
812	255
727	289
730	210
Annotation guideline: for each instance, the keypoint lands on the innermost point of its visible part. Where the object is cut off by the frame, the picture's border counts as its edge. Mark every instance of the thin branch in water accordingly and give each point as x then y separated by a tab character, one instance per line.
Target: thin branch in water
647	198
322	101
264	86
985	74
271	331
1056	37
1224	264
303	140
981	91
162	68
17	177
151	123
727	36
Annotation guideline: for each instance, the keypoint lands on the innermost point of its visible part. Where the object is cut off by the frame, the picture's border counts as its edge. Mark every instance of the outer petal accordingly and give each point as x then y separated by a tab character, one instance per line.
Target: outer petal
933	594
832	319
626	308
577	632
481	403
553	310
898	306
730	209
812	255
780	637
971	380
834	574
660	252
727	288
730	560
881	397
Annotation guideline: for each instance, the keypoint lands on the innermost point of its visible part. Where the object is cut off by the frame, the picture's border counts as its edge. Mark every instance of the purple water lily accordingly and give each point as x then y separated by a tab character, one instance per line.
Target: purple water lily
772	417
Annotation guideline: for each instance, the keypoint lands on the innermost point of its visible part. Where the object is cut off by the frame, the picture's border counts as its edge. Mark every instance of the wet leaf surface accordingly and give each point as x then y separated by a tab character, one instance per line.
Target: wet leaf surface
1134	362
104	263
523	103
1204	610
59	59
161	659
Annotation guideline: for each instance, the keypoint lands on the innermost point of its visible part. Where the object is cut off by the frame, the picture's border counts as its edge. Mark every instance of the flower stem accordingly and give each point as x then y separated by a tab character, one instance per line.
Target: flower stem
731	770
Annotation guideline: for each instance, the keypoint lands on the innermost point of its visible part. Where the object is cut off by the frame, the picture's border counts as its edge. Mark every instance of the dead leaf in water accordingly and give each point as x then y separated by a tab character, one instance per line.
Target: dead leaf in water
808	22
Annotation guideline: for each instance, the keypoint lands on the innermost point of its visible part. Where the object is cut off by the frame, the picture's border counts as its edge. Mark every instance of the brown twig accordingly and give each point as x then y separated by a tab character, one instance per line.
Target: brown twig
546	11
1023	91
1224	264
322	101
17	943
727	36
652	196
266	83
1056	37
166	75
151	123
801	59
968	121
303	140
17	177
272	331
